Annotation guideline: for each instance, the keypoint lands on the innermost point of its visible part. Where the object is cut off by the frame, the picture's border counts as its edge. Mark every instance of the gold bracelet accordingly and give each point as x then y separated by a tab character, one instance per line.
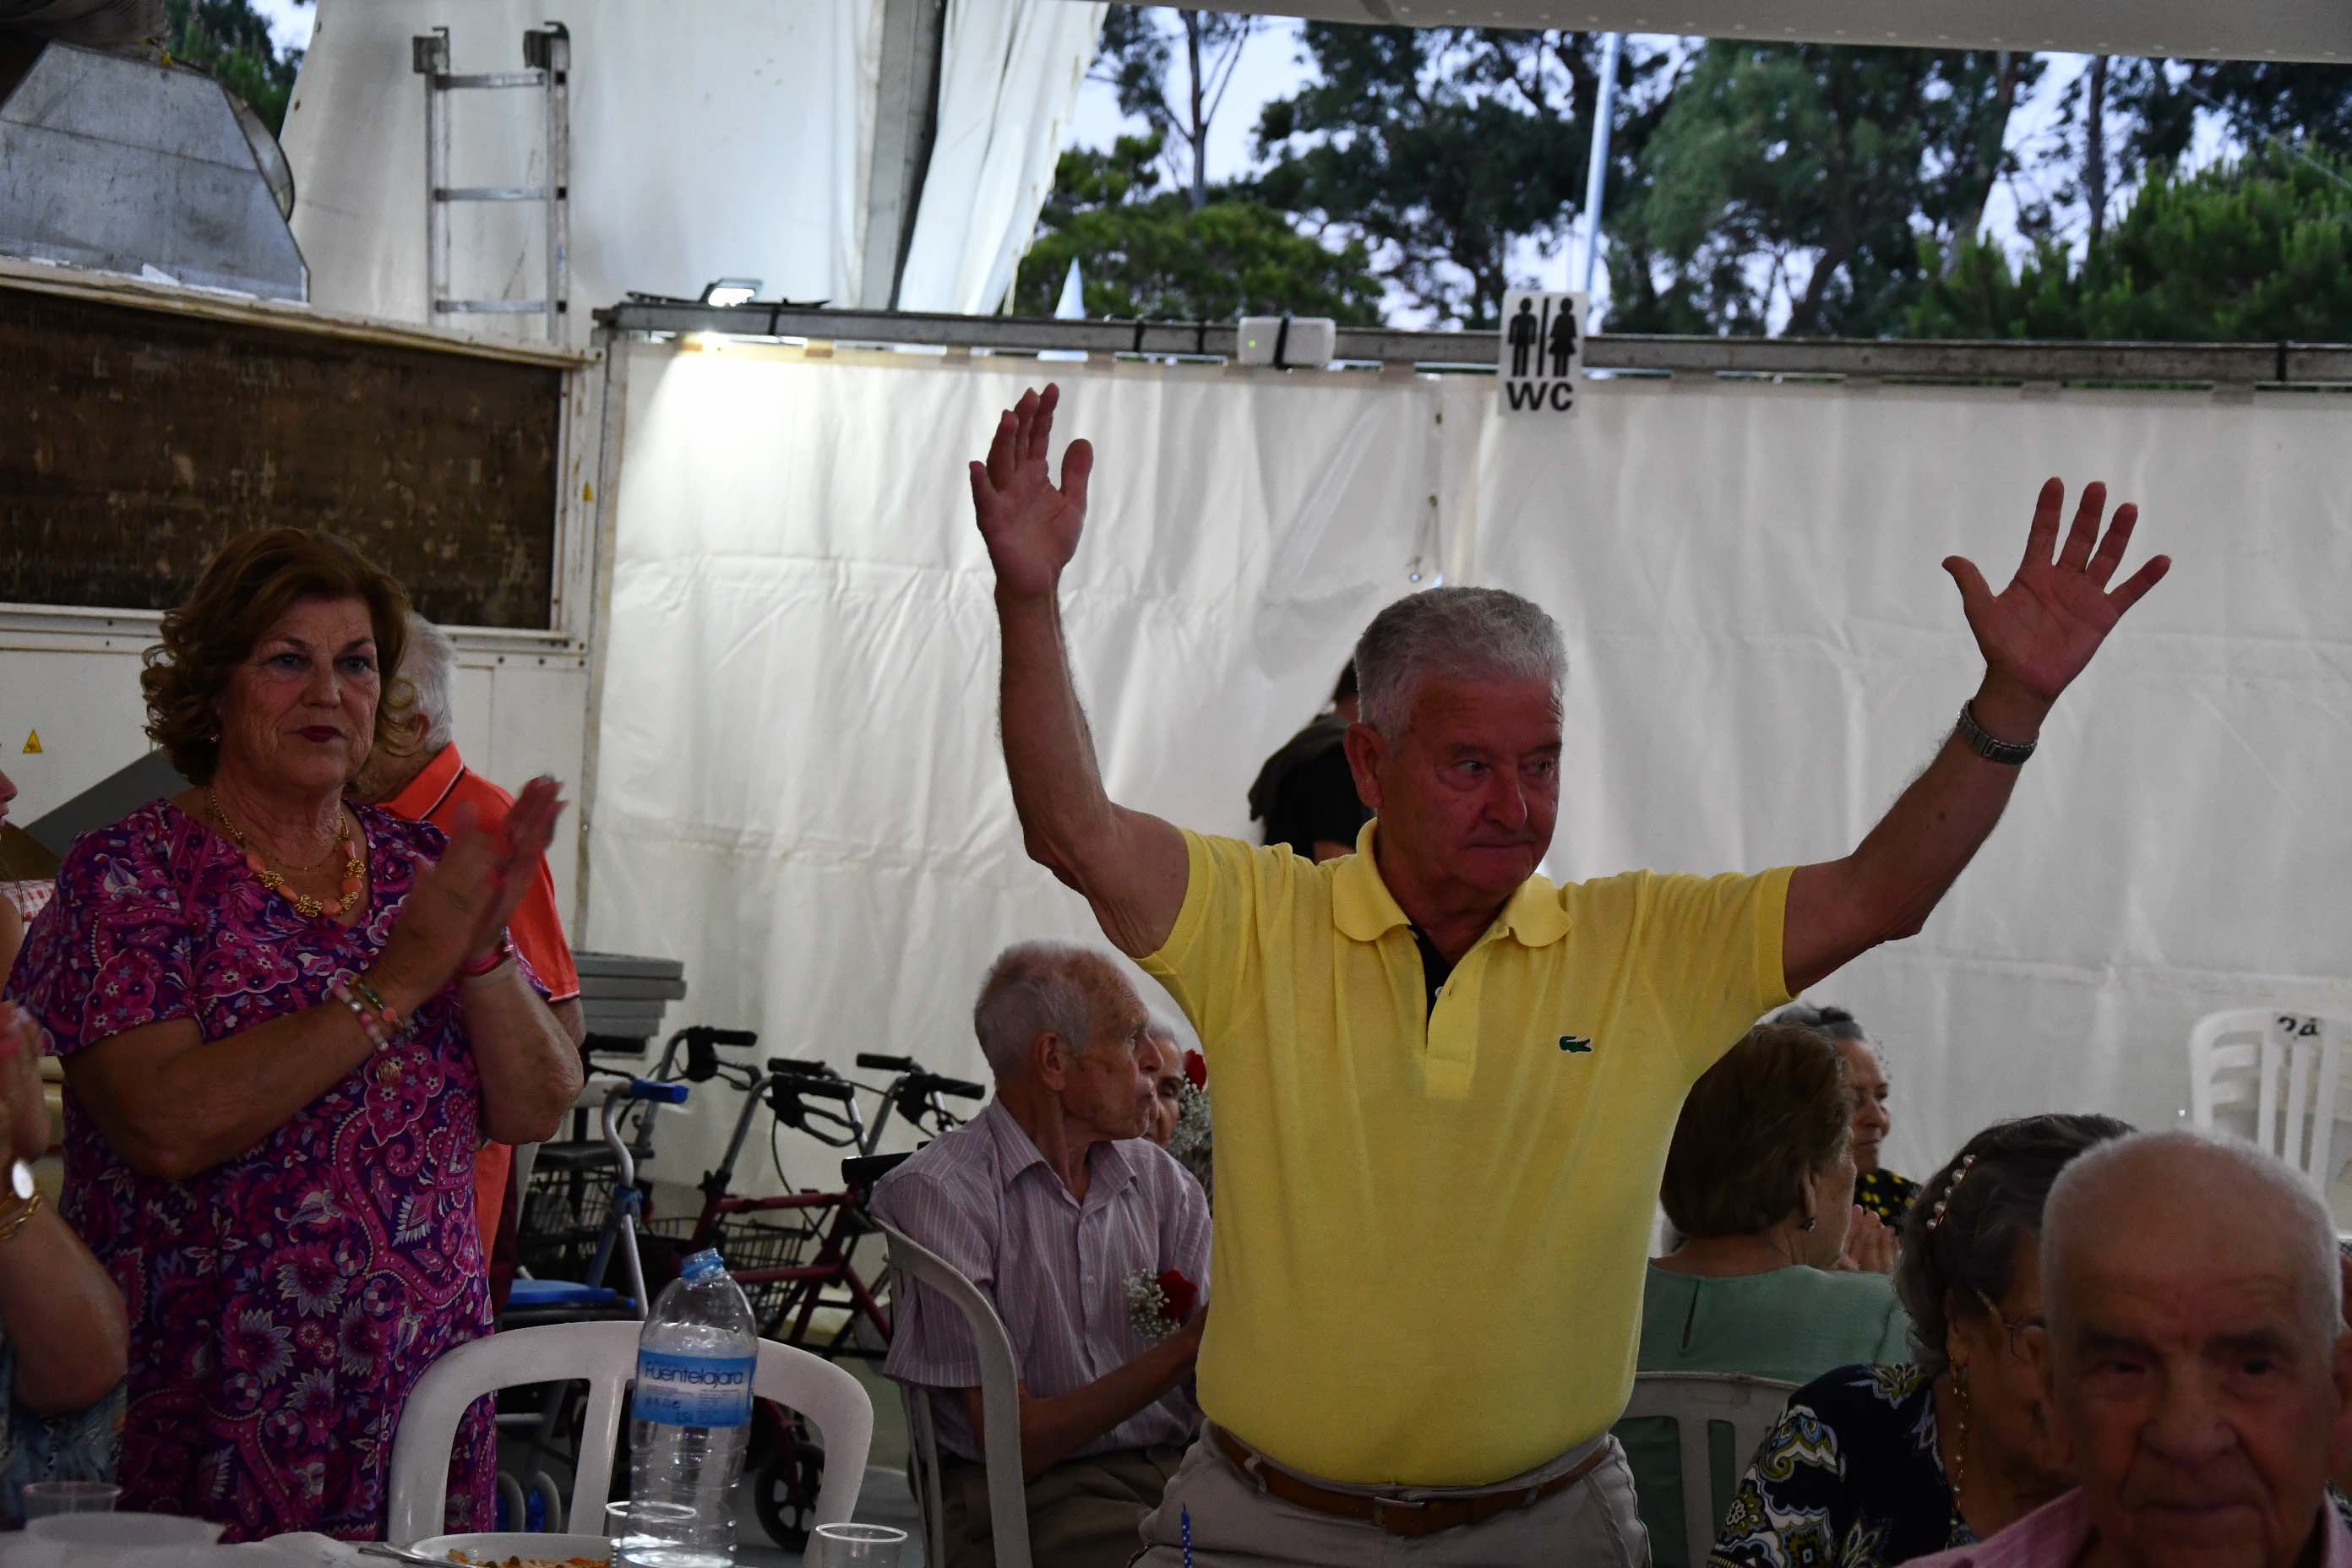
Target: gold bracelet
20	1219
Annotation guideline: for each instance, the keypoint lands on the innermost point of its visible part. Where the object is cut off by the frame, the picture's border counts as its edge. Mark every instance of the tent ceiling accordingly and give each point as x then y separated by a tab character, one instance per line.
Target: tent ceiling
2237	29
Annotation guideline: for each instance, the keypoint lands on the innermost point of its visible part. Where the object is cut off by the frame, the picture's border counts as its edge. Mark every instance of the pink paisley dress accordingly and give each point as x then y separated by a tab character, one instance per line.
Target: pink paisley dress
284	1302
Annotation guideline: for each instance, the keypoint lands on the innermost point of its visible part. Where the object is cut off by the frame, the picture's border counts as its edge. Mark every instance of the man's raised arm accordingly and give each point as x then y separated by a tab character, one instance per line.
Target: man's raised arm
2036	634
1130	866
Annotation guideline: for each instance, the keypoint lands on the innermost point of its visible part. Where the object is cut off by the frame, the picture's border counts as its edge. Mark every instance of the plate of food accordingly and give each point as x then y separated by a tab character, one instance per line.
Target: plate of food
519	1549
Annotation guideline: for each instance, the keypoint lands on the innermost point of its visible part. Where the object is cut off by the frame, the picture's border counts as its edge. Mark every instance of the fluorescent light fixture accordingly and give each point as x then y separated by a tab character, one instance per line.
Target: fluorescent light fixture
730	290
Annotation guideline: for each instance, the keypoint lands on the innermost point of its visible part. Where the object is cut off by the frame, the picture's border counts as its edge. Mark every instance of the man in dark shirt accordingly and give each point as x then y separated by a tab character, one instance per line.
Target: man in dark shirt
1305	793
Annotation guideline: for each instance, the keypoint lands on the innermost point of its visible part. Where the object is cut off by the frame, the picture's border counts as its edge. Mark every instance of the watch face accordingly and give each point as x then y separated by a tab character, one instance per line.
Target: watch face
20	1180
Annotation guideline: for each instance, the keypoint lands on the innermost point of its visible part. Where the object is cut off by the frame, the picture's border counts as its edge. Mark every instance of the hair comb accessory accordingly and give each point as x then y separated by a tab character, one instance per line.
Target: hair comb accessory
1935	1216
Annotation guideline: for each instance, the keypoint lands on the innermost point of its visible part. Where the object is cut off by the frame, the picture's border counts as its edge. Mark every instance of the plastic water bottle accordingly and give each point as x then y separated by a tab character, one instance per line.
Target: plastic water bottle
691	1417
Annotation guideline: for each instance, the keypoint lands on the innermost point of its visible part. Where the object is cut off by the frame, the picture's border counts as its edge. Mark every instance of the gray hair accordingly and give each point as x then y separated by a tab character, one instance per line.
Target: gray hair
1835	1022
2310	1230
1457	632
1161	1030
1960	1235
1033	988
427	665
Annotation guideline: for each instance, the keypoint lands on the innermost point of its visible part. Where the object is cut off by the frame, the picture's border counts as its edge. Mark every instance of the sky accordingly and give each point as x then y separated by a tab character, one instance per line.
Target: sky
290	24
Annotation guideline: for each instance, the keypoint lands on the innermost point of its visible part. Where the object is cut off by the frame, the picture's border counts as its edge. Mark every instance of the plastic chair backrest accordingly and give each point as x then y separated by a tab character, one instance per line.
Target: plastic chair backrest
606	1356
1000	1402
923	1468
2288	1067
1694	1402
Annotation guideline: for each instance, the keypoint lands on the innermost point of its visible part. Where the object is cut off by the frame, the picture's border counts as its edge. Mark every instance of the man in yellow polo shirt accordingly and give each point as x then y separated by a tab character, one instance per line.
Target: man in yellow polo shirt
1444	1087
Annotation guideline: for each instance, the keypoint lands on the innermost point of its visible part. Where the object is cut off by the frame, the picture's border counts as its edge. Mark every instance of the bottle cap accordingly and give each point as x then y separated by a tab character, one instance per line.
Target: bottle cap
702	1265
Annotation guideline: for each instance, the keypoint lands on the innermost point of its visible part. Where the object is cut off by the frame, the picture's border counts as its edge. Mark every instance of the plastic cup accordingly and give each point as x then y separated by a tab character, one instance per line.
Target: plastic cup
46	1499
658	1535
856	1546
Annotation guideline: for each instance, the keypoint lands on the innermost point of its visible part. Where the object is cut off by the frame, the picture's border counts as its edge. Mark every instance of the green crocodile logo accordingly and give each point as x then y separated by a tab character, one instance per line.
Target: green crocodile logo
1576	1044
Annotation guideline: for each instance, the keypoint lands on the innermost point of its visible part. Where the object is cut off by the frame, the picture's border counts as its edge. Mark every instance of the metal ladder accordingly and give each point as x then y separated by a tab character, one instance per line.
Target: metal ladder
547	61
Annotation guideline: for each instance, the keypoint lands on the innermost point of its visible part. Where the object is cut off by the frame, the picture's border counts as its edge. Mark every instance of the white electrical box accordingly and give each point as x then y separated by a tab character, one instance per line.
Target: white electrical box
1307	345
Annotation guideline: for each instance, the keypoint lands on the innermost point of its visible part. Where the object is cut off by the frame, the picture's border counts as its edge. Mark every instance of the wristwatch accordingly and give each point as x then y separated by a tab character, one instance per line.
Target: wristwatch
1978	739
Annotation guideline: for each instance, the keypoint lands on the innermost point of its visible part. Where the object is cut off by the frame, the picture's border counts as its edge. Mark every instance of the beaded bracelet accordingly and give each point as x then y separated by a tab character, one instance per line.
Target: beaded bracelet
374	998
375	1031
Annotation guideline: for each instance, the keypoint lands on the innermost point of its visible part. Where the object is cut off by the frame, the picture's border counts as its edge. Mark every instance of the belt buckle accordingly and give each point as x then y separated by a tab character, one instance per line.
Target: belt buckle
1400	1528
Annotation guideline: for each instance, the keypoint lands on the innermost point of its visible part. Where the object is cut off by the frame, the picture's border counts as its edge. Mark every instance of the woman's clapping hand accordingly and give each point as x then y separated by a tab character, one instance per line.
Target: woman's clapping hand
460	906
1870	1244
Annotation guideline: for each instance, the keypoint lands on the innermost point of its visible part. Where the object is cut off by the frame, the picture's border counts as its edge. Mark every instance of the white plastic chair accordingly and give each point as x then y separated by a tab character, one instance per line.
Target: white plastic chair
606	1356
999	1408
1694	1402
2287	1066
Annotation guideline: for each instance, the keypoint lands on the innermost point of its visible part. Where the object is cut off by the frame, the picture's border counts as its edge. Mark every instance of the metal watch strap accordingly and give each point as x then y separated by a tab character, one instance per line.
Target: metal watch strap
1990	747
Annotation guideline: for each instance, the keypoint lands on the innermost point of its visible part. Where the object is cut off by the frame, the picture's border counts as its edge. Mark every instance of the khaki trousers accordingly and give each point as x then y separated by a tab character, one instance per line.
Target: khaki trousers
1235	1525
1082	1513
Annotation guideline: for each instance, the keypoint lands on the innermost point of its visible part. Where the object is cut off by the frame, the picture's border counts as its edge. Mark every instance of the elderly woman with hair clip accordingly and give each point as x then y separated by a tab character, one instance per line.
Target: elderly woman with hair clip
1875	1464
287	1022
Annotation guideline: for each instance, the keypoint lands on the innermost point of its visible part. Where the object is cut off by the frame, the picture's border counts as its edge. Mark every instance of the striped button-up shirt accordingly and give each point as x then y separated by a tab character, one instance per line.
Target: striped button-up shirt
1055	1269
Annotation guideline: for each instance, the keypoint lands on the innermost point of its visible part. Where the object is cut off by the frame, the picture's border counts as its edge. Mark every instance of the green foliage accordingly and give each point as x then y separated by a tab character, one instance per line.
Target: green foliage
229	39
1146	252
2257	251
1806	173
2257	99
1440	147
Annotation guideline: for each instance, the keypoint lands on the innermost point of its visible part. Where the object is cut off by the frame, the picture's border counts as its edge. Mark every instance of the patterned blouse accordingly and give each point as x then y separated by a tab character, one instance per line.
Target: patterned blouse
78	1447
1885	1194
1850	1478
283	1302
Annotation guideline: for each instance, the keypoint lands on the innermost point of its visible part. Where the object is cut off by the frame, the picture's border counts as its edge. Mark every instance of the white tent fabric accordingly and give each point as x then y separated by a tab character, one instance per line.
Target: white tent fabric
1004	112
800	793
731	138
1764	650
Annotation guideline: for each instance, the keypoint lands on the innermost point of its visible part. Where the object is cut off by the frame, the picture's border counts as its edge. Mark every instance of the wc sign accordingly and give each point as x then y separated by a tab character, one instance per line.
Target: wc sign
1541	348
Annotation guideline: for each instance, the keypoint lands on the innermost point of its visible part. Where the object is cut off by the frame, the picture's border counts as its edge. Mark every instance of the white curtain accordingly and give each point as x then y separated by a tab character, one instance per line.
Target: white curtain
799	791
801	795
1764	650
1006	96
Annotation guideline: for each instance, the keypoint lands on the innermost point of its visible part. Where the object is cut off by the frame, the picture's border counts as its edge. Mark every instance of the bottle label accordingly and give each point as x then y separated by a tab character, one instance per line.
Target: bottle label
694	1390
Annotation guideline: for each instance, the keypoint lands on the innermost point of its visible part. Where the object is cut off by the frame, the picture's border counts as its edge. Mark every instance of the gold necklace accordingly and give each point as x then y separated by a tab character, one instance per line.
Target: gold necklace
309	907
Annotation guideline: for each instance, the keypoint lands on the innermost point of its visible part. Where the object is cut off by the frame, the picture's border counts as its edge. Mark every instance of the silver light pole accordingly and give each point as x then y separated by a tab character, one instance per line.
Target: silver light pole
1596	180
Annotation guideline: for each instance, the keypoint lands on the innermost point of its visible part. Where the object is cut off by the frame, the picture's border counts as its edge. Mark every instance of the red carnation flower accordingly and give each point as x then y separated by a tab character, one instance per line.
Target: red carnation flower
1196	1069
1182	1294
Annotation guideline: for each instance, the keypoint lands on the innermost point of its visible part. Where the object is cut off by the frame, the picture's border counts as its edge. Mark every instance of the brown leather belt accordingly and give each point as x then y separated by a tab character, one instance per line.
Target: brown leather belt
1411	1517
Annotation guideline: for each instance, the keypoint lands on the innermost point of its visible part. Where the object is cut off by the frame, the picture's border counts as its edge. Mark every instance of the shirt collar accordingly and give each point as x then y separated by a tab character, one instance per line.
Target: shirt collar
429	788
1363	908
1108	1169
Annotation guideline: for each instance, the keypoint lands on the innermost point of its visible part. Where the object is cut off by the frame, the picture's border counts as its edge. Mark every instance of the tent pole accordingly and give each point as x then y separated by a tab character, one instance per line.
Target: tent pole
1596	178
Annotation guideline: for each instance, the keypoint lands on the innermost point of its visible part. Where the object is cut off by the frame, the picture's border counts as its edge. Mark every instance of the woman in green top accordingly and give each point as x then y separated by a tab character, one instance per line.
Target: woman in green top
1778	1273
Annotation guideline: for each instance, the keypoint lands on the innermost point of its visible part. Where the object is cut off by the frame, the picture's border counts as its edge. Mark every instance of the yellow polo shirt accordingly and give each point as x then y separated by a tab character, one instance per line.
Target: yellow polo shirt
1430	1227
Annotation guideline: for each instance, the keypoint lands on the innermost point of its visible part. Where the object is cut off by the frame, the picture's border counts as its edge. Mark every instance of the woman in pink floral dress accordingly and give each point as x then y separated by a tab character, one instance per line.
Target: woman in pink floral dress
285	1031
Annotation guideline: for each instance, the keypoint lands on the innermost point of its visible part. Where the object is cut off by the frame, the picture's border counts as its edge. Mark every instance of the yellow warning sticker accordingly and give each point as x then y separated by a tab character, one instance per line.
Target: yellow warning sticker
33	744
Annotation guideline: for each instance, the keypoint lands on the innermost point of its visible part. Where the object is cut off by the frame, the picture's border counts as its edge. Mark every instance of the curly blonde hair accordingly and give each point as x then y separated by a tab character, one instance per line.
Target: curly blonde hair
247	585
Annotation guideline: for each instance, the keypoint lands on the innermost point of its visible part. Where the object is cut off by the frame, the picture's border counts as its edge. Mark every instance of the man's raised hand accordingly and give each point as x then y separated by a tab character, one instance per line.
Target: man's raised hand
2038	633
1030	525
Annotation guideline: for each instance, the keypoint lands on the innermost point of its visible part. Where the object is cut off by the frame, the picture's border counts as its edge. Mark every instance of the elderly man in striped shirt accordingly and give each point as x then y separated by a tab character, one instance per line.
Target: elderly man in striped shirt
1051	1201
